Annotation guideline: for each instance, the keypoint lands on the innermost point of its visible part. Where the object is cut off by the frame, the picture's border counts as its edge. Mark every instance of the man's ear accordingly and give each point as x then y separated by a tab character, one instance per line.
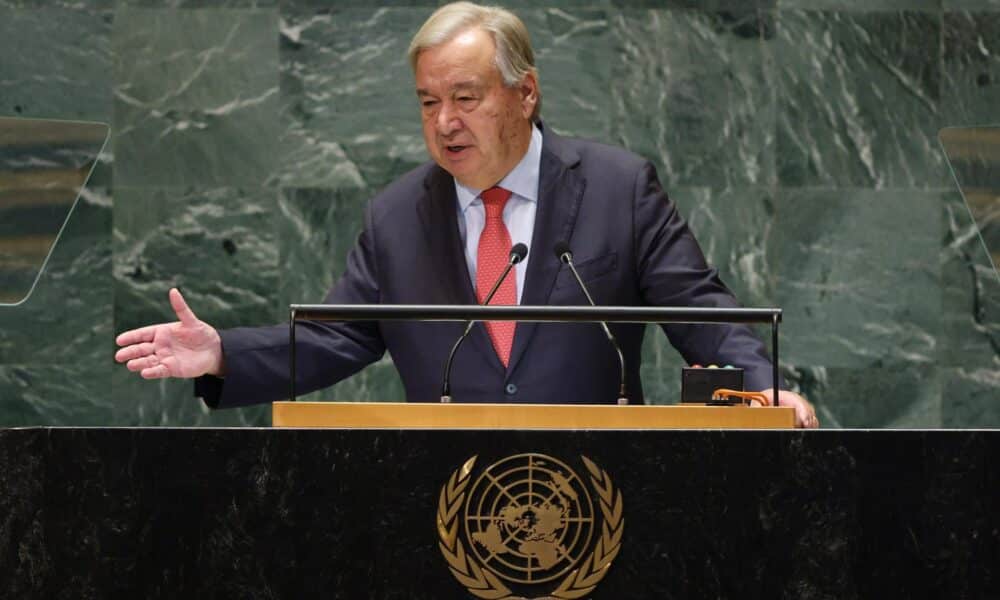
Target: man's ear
528	89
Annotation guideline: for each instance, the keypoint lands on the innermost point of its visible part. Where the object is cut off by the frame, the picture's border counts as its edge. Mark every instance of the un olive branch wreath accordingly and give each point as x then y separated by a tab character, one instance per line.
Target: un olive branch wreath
583	580
480	582
484	584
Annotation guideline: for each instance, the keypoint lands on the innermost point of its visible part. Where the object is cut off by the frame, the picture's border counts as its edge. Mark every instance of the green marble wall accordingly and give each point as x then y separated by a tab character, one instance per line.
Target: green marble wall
798	137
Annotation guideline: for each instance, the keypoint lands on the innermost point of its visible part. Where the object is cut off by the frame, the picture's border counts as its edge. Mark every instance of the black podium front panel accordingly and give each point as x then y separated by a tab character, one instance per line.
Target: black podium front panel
258	513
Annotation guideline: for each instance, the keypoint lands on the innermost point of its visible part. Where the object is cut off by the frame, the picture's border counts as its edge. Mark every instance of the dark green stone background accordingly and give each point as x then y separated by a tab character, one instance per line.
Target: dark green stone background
799	137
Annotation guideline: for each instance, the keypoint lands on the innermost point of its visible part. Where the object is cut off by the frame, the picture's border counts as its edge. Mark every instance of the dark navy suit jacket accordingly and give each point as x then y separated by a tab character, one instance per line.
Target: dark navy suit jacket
630	246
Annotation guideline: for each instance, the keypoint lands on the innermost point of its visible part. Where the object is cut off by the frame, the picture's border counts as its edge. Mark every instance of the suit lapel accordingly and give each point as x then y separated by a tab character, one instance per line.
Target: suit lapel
560	191
439	218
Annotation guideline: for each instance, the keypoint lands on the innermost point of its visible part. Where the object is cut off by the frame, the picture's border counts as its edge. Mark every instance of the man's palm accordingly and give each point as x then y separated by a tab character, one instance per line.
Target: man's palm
185	348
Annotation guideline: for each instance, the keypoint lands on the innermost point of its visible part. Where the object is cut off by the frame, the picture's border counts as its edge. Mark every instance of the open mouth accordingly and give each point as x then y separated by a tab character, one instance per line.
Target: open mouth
455	150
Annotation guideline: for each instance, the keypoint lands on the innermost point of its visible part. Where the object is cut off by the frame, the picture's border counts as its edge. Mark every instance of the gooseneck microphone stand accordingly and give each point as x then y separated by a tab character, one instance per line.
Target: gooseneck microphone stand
517	254
565	256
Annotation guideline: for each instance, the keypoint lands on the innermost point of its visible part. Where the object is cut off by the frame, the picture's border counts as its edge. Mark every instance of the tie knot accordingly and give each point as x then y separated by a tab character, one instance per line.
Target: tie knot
494	199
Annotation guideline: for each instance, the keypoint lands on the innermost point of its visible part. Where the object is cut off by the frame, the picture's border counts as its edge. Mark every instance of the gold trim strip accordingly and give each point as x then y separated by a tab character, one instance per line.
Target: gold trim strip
386	415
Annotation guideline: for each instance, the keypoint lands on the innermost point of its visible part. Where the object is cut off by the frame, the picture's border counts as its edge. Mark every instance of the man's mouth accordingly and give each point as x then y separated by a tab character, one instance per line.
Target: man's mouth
455	149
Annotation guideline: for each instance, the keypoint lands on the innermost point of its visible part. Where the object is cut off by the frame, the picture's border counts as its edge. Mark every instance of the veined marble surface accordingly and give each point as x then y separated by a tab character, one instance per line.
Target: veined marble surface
799	138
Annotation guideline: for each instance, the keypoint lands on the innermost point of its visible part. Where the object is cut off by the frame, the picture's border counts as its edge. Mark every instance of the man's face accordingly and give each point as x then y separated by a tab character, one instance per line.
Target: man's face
475	127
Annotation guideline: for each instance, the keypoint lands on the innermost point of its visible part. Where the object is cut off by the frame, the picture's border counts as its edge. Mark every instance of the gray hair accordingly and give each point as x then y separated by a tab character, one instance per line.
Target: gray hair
514	57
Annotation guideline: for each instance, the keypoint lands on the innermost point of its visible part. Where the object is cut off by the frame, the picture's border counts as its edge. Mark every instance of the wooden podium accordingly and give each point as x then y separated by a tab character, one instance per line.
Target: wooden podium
383	415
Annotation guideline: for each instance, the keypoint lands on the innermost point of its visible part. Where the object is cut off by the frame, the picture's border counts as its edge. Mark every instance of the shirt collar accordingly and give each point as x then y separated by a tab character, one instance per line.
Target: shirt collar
522	180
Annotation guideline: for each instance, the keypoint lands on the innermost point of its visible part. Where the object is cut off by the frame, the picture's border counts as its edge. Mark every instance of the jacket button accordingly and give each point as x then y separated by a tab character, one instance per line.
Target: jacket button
511	389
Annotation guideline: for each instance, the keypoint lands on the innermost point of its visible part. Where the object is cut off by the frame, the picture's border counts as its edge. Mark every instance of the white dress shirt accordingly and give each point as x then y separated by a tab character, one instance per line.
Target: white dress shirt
518	214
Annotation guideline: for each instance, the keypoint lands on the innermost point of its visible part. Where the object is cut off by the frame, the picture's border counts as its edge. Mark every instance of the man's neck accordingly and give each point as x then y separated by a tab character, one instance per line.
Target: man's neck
522	179
523	142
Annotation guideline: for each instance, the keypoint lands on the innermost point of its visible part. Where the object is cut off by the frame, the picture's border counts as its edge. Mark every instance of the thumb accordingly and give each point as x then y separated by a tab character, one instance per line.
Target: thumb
184	314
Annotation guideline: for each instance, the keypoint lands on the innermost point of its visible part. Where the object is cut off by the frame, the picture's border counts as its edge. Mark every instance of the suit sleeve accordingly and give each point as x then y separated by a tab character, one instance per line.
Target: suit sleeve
673	272
257	359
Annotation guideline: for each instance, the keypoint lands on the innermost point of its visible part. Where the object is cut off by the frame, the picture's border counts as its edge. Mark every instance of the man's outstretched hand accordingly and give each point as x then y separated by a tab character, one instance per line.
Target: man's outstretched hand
185	348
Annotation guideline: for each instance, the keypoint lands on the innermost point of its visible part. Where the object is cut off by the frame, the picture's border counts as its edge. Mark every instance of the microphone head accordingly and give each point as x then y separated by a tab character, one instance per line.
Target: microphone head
562	251
517	253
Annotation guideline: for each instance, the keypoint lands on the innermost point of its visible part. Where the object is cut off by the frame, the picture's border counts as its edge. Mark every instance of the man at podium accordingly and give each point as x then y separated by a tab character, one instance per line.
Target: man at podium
443	234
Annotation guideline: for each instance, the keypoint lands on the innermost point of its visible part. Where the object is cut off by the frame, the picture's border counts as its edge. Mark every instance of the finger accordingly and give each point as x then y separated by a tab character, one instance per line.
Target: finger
157	372
807	420
185	314
135	336
135	351
139	364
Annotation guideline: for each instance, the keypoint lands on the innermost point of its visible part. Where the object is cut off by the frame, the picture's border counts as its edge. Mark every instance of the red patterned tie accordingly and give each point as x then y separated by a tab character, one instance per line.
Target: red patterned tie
491	259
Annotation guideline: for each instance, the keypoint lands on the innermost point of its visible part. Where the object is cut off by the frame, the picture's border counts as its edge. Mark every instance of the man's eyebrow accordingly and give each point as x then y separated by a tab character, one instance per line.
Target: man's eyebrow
472	84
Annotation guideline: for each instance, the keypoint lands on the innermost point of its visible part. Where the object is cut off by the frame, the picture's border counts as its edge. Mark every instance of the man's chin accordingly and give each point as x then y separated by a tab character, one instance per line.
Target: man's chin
464	172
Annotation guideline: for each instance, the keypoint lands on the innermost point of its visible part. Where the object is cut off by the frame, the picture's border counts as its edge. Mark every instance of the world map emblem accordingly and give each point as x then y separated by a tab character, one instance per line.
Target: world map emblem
529	523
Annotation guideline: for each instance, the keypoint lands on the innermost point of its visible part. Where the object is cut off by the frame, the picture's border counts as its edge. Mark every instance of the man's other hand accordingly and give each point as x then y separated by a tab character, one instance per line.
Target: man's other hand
805	414
185	348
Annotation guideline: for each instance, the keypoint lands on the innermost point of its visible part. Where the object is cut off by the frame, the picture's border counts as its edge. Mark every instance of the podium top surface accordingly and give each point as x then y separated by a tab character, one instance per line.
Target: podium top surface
385	415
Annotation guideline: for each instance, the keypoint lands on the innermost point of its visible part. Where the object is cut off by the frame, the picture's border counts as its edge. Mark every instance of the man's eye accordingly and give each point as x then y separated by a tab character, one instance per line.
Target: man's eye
428	103
466	99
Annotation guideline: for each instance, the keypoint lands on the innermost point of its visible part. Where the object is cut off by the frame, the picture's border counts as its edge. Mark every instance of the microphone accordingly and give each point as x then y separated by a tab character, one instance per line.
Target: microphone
564	255
517	254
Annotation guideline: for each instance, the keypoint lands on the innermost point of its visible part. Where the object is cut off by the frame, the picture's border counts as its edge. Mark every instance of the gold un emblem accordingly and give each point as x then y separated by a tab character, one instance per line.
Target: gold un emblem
527	522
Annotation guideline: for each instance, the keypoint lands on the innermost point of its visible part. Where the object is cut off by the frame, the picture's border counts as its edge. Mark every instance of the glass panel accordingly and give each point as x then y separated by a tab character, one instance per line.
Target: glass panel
43	167
974	155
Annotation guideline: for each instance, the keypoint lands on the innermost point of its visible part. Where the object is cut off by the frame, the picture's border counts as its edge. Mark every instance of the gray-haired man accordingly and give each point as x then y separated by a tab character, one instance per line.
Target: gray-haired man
497	178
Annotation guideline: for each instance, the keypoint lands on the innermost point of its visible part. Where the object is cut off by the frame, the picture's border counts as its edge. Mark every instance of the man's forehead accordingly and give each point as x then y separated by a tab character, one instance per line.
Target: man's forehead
470	55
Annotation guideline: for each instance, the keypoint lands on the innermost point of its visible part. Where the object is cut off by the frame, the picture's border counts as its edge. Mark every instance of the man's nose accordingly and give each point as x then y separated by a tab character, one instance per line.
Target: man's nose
448	121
